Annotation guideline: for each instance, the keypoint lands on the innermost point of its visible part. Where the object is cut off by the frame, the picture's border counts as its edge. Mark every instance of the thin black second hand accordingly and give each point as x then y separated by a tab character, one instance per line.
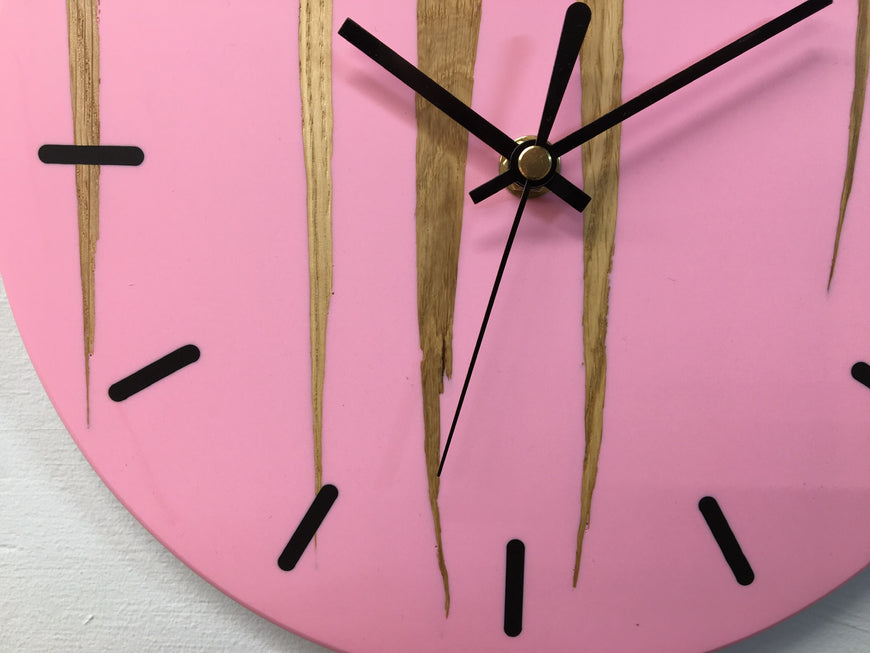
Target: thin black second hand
507	250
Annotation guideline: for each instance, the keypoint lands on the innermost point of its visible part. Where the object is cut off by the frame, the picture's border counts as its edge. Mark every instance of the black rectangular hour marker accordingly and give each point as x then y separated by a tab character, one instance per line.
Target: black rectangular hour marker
724	537
861	373
304	533
154	372
92	155
515	571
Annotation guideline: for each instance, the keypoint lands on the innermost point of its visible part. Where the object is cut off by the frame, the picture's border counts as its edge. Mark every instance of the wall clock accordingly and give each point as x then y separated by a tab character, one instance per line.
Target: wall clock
252	290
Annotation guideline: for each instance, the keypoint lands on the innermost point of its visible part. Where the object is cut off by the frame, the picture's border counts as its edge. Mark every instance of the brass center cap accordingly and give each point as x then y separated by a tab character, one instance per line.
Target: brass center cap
535	163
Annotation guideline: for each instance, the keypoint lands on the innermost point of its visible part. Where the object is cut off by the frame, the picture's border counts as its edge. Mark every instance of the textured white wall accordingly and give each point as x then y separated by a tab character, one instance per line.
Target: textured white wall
78	573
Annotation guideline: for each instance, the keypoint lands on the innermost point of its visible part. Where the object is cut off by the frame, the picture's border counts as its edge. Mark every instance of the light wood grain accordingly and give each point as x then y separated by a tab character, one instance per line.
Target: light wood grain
601	63
447	35
315	74
84	66
859	98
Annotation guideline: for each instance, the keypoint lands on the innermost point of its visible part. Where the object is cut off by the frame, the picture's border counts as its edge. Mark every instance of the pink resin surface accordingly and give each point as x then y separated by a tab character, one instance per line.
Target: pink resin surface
729	361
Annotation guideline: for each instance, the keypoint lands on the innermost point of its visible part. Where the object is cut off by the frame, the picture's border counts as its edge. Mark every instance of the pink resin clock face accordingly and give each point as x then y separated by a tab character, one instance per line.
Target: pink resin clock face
730	362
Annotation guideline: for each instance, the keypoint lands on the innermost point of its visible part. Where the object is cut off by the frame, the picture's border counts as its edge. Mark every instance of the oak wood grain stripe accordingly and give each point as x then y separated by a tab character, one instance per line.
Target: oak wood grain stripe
315	74
447	36
859	97
601	64
84	66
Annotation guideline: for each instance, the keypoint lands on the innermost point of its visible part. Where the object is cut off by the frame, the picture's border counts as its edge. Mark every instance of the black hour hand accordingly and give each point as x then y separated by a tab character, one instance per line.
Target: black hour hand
427	88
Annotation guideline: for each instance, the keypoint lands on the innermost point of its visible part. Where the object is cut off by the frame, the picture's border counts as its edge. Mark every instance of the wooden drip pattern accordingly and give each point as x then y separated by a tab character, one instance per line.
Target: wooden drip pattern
859	98
315	77
447	36
84	68
601	64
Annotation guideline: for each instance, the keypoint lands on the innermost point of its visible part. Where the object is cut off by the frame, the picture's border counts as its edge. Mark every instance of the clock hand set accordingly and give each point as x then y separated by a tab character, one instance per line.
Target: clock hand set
574	28
441	98
533	164
662	90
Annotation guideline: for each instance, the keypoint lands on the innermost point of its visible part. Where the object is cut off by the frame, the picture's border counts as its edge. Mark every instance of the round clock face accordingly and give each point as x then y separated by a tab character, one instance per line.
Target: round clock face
181	350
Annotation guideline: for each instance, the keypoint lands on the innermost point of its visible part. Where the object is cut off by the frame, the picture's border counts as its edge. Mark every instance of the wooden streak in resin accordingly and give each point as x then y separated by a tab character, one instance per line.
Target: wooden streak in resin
859	97
447	35
84	66
315	73
601	64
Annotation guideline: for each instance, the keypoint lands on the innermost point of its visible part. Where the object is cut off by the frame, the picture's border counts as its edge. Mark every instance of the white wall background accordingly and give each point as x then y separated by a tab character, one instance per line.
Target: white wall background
78	573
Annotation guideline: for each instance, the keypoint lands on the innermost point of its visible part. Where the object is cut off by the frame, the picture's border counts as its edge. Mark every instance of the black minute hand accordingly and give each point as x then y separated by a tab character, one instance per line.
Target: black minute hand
689	75
672	84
